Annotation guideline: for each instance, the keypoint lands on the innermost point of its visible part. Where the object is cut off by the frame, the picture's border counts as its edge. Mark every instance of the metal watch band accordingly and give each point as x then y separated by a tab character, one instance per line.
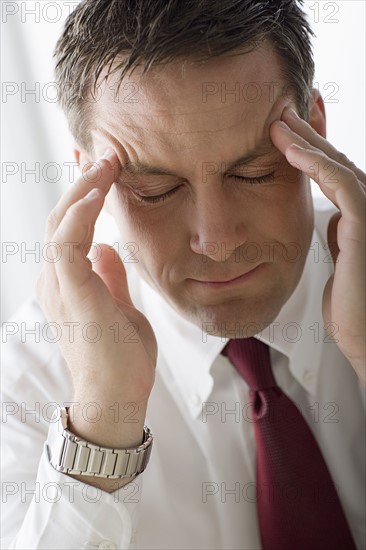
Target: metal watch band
70	454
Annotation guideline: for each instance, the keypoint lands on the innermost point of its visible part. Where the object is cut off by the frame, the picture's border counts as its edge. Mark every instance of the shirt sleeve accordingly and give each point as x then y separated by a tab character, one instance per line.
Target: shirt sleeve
41	507
49	509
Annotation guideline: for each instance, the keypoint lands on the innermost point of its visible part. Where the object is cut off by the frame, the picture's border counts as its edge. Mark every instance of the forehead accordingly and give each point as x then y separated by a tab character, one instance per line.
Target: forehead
185	106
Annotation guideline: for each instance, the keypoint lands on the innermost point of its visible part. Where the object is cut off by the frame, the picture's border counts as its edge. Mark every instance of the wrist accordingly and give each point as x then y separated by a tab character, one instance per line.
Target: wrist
105	467
109	423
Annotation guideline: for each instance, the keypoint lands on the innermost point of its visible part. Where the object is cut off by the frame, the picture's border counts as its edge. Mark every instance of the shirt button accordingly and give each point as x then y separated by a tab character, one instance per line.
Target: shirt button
308	377
107	545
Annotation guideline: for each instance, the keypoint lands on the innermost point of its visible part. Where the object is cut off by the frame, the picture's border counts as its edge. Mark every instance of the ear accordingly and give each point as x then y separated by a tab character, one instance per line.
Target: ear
317	118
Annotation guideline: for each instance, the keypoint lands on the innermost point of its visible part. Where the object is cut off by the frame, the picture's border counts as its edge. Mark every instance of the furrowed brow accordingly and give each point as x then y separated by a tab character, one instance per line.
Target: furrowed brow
265	148
139	168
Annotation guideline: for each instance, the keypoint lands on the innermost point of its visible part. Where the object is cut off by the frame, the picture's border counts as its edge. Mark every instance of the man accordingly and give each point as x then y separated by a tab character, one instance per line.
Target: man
204	165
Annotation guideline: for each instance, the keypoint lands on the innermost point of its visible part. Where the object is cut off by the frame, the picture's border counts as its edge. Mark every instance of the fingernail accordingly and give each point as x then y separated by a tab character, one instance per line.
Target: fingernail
108	154
296	147
292	113
283	125
93	172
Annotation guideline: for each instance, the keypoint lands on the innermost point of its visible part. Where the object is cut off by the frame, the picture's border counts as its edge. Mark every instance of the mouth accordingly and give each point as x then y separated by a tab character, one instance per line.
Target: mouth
244	277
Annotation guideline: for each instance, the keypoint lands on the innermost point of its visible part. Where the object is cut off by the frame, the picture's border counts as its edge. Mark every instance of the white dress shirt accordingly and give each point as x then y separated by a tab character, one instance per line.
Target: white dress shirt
199	489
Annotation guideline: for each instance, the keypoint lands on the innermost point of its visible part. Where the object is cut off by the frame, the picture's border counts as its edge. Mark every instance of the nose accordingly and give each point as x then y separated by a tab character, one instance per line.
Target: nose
218	224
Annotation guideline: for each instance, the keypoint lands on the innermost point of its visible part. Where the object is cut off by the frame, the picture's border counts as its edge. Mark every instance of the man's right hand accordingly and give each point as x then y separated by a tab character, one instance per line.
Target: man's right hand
90	301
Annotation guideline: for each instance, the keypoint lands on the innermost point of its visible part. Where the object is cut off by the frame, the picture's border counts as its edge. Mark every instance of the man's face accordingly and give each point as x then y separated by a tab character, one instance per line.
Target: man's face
183	137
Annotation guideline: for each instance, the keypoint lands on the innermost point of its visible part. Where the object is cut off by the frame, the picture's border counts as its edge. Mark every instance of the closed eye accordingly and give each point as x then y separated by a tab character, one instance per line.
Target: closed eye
157	198
256	179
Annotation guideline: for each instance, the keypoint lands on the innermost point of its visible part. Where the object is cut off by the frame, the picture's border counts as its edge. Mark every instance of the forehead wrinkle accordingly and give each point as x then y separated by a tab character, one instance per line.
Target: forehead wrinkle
263	142
126	113
133	139
131	116
166	133
130	121
168	94
262	148
123	152
140	130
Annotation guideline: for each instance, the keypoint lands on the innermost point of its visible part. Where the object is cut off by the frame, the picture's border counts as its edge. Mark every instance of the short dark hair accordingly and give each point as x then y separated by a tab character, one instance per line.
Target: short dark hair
131	33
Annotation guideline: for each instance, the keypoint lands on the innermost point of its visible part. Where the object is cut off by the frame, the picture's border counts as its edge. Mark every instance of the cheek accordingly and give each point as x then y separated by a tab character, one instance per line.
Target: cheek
127	216
299	199
287	208
296	192
298	218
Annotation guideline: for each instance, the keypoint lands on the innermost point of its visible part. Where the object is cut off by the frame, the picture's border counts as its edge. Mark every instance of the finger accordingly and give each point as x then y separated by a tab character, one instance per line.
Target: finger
72	268
102	174
302	128
332	177
340	184
332	238
282	137
110	268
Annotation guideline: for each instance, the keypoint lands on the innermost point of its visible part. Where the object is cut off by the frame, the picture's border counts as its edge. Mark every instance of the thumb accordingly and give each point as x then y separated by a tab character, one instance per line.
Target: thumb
111	270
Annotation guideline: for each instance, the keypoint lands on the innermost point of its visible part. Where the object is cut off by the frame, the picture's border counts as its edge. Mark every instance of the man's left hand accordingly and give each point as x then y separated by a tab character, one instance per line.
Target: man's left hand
344	184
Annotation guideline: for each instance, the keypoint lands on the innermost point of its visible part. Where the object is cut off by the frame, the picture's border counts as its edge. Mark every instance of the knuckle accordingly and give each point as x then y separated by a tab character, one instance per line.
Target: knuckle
74	209
354	181
352	165
341	158
71	216
323	155
351	176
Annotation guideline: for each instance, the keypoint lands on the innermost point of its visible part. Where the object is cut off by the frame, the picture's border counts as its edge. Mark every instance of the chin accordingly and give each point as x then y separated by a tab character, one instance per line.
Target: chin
238	318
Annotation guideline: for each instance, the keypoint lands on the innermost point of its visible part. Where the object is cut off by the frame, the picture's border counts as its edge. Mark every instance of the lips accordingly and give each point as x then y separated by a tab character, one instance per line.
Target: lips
236	281
227	280
231	278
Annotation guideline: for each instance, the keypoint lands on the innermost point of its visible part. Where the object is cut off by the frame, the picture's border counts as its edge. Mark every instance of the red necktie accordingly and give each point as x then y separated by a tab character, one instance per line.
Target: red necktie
297	504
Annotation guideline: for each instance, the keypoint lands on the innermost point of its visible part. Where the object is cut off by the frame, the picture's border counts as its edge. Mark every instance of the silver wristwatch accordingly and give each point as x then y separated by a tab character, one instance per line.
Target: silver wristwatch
70	454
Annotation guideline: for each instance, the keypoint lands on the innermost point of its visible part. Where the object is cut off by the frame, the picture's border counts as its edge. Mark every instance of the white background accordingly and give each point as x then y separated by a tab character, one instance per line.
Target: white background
36	131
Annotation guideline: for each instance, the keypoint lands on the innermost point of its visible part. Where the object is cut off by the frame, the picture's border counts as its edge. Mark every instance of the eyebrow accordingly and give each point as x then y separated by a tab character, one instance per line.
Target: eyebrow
140	168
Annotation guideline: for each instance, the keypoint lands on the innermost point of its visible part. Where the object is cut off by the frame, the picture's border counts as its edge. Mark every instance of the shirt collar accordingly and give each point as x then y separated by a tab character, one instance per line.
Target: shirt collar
297	332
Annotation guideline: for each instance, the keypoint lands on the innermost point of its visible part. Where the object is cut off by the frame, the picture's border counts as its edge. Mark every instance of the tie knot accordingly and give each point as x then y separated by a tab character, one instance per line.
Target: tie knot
251	359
